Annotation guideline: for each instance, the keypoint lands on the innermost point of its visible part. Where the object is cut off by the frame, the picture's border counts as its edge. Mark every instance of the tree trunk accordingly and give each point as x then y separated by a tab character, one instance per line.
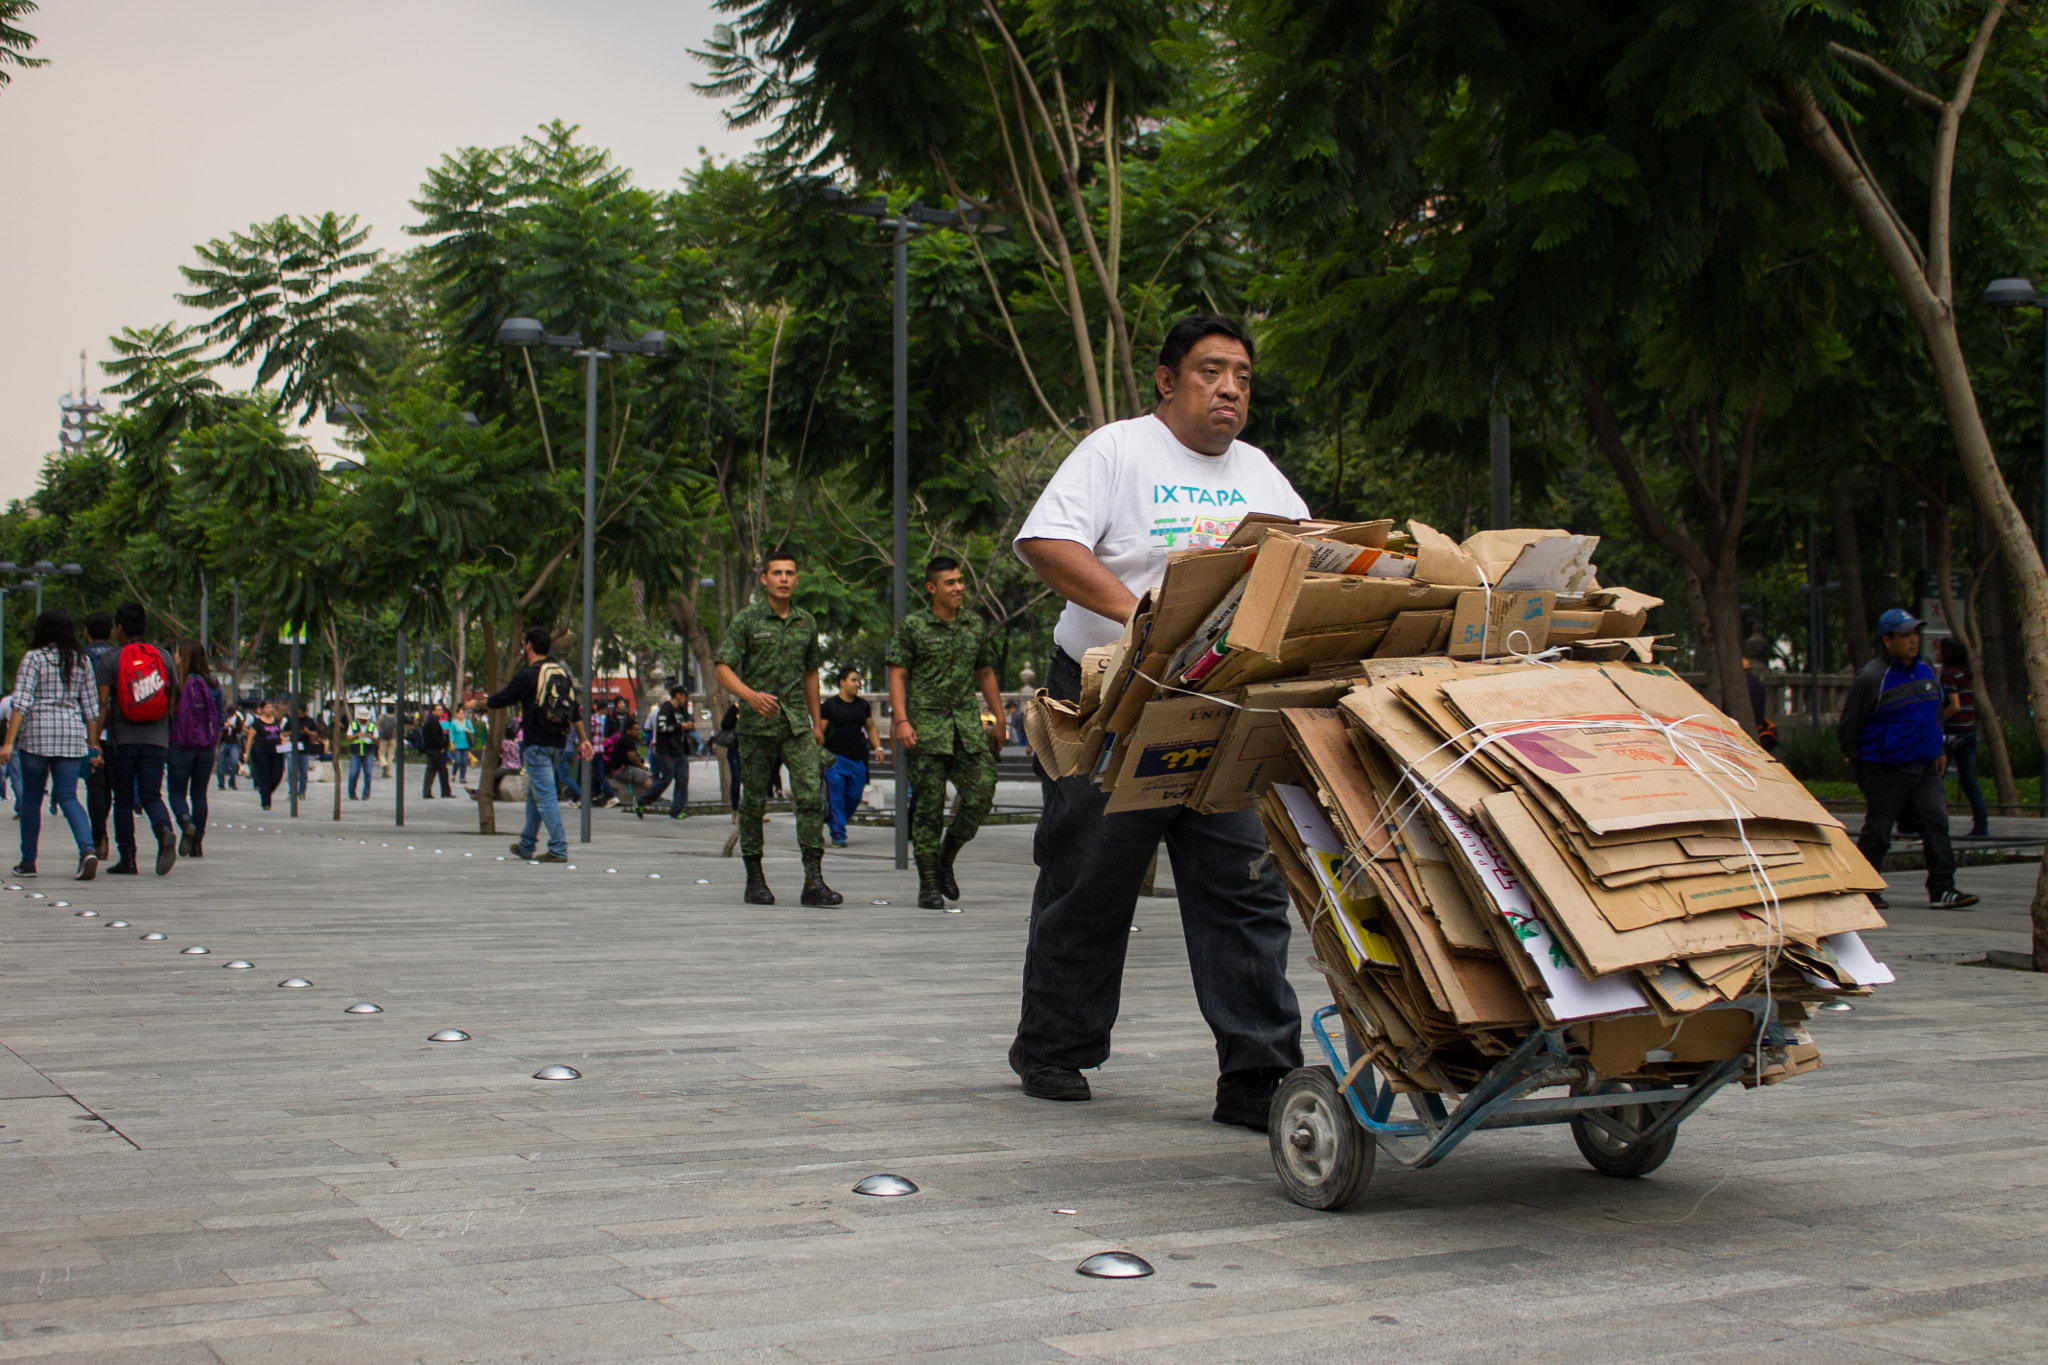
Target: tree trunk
1988	728
1849	570
334	730
494	736
1723	594
1703	652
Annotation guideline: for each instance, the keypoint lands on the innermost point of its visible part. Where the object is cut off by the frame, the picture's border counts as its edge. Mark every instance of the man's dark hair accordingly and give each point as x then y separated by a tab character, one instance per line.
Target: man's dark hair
940	564
130	618
1953	652
678	688
851	670
539	639
99	626
1182	336
774	556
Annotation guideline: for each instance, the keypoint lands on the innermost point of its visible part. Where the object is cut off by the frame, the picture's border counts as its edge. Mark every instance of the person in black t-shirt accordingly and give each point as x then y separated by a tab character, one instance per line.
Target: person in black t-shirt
673	727
266	744
850	740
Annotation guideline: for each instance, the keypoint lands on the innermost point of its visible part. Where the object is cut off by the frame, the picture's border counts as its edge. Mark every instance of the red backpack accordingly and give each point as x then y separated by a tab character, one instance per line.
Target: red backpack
142	687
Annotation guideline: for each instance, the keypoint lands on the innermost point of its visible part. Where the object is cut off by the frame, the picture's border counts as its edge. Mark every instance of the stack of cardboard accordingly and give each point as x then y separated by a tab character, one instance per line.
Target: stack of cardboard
1479	849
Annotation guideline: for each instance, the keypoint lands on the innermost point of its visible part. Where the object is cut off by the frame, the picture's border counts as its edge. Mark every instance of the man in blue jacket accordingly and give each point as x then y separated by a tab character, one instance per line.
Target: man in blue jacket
1891	728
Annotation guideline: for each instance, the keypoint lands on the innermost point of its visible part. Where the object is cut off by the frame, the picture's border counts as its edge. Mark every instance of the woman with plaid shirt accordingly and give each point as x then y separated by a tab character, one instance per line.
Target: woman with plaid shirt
55	703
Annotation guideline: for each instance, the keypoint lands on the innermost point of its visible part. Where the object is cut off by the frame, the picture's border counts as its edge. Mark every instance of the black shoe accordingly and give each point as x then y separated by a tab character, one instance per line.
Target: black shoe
184	838
88	866
1952	900
126	867
1244	1097
198	842
24	869
1879	901
815	891
929	897
948	851
757	885
166	849
551	858
1043	1081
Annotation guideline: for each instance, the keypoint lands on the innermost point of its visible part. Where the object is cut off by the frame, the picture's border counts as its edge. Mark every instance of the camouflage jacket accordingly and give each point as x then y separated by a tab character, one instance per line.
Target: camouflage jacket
940	694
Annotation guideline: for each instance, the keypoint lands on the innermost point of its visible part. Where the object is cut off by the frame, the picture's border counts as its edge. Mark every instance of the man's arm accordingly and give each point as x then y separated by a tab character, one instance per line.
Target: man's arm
517	690
813	701
99	722
1071	569
759	701
991	694
1856	709
901	731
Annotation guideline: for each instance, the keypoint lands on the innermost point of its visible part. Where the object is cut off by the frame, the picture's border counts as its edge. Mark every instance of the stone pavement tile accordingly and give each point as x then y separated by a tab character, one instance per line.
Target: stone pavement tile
182	1353
1969	1334
101	1342
597	1334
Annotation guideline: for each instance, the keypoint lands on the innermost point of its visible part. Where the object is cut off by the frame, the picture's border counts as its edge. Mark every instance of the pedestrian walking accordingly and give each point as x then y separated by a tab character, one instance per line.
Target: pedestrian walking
137	702
673	727
228	761
1099	536
266	740
769	661
938	657
459	741
434	748
306	741
195	733
850	742
387	737
55	704
548	716
1891	728
361	751
1959	729
99	795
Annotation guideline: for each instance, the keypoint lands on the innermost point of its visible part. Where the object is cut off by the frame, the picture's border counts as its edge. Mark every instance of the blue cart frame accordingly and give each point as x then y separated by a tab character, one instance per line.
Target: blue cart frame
1621	1131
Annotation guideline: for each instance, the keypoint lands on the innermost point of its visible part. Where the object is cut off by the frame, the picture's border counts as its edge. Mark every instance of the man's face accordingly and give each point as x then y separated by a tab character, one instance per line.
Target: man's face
779	578
1212	392
948	590
1904	648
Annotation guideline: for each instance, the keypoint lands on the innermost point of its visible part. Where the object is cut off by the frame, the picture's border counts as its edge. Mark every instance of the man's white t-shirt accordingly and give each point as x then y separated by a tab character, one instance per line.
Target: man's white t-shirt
1132	493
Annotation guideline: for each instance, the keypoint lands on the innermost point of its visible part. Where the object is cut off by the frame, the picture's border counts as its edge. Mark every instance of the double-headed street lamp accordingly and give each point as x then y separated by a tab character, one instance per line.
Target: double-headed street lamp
528	332
914	219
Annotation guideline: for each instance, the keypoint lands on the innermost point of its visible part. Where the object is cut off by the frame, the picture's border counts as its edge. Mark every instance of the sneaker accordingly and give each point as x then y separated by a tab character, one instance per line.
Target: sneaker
1952	900
24	869
839	843
88	866
1245	1097
1043	1081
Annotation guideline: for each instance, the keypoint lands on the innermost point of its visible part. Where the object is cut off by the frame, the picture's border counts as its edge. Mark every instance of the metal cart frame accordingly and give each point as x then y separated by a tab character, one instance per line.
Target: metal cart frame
1323	1157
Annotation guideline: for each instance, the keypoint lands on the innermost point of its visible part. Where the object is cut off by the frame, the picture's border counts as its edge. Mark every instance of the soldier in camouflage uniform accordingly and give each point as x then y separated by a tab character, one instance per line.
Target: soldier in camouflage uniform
769	661
937	659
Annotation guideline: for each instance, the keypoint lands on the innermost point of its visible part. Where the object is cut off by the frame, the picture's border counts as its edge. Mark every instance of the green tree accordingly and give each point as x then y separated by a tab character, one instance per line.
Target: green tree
15	42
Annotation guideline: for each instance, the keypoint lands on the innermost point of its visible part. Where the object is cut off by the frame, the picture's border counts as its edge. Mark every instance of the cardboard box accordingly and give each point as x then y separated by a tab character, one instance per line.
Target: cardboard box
1252	753
1057	735
1167	752
1441	560
1488	624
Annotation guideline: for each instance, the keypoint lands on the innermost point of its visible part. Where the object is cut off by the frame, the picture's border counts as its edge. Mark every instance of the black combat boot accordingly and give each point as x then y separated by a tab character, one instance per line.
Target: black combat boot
948	851
815	891
929	897
757	885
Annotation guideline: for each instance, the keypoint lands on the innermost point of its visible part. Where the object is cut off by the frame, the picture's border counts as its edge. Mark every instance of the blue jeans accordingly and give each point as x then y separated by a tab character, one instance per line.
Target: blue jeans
228	768
135	773
62	775
1962	756
360	765
542	765
668	770
189	769
461	760
302	767
845	780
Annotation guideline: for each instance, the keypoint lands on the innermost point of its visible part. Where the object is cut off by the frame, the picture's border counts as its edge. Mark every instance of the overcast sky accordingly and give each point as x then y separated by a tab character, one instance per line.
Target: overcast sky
156	126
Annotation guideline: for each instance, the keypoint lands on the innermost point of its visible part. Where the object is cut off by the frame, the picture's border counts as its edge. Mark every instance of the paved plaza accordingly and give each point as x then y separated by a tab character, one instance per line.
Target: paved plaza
199	1166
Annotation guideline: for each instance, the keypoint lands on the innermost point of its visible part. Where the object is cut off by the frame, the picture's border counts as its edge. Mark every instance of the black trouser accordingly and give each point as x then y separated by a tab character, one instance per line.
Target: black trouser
1233	911
1892	788
99	797
266	769
437	762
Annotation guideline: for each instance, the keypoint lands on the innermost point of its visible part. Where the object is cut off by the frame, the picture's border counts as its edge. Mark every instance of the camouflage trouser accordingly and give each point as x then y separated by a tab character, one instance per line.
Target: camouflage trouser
759	755
972	769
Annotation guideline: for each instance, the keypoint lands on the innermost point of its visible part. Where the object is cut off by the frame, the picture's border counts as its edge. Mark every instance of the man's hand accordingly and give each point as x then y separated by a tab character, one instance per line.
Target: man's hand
1940	764
904	733
818	731
764	703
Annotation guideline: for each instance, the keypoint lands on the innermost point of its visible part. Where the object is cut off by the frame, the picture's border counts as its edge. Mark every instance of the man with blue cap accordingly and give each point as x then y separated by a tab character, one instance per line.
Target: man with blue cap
1891	728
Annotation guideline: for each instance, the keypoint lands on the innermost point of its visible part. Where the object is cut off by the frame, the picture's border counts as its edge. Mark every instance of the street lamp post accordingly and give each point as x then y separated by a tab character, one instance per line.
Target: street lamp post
2019	293
528	332
914	219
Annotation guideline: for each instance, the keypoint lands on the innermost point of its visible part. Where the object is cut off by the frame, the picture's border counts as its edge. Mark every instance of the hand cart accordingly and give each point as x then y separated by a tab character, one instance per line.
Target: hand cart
1328	1122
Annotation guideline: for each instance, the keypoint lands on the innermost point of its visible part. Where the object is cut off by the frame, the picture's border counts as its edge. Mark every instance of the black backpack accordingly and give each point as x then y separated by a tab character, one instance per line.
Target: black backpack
554	696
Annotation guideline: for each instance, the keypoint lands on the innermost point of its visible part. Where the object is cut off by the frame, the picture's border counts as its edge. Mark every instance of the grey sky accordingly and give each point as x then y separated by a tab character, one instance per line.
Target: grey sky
156	126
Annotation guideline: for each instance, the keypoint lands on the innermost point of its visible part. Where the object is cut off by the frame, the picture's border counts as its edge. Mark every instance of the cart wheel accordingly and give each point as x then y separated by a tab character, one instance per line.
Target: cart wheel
1610	1152
1322	1156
